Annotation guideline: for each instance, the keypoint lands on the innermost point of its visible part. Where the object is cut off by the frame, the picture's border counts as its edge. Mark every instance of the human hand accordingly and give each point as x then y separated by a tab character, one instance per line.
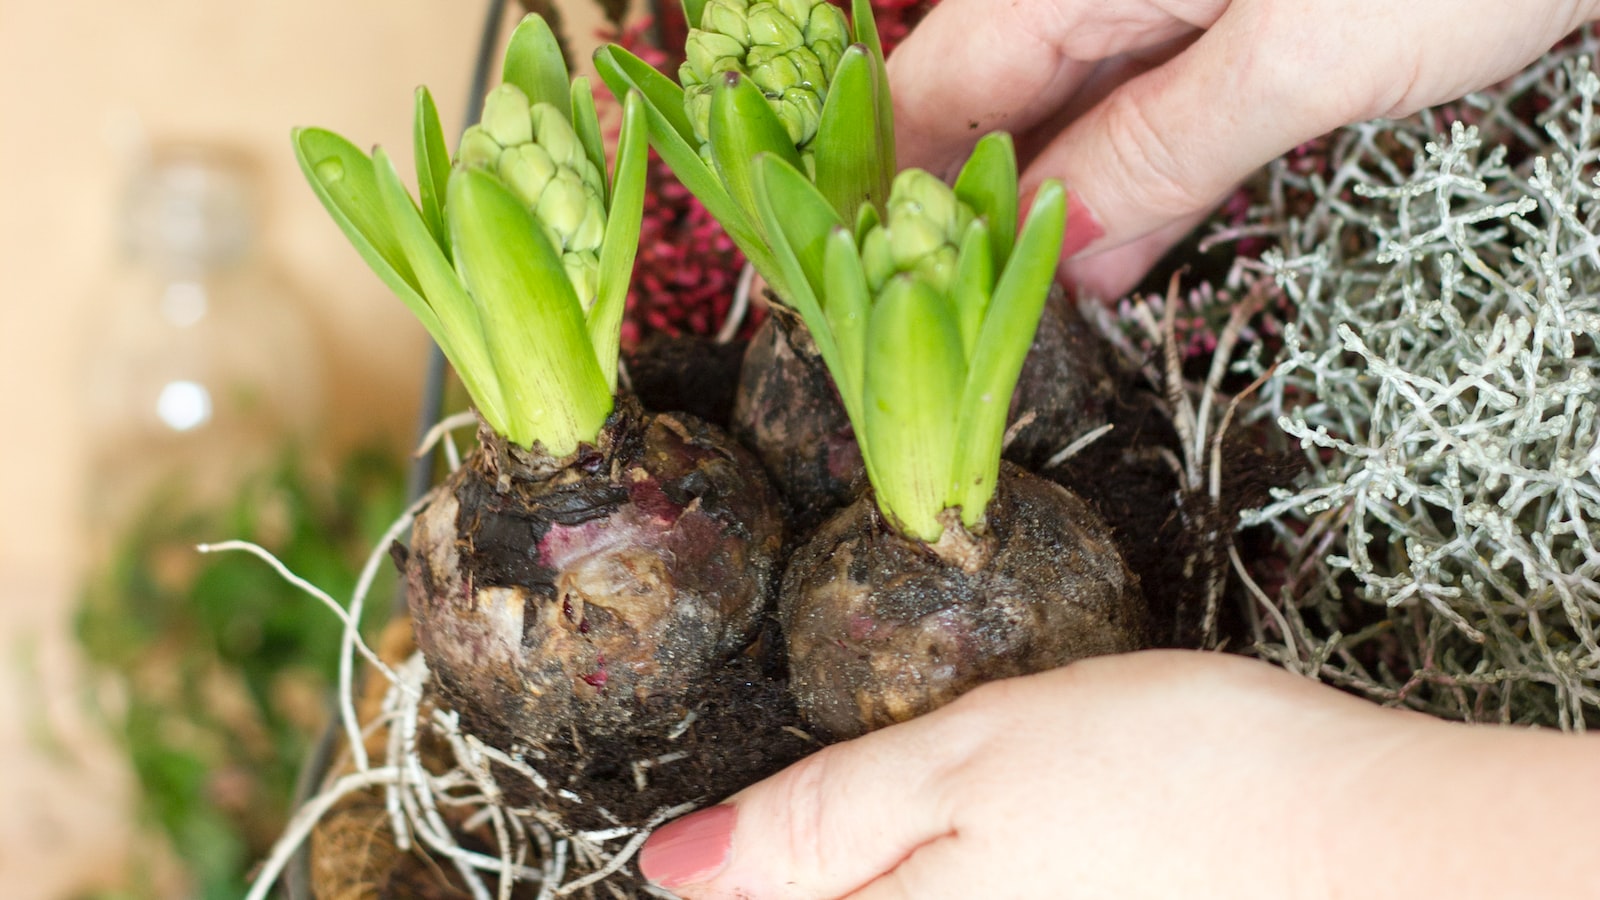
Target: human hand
1151	111
1108	775
1157	774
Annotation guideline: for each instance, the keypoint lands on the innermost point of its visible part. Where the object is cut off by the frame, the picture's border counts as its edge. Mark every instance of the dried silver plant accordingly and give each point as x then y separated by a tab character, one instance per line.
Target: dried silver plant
1442	374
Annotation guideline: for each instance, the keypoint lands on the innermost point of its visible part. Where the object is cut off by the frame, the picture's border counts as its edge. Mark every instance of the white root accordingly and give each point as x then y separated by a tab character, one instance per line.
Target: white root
421	803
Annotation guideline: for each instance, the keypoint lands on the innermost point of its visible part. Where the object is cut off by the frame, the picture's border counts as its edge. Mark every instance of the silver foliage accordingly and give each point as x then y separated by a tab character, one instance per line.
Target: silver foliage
1442	374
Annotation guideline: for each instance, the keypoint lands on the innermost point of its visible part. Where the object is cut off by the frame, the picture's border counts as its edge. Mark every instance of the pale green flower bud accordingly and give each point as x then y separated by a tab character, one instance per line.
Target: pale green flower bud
774	73
921	233
526	169
938	268
912	238
506	116
876	260
917	194
586	237
812	74
478	149
826	24
788	49
795	10
538	157
800	111
769	27
555	134
729	17
709	52
697	103
563	204
583	270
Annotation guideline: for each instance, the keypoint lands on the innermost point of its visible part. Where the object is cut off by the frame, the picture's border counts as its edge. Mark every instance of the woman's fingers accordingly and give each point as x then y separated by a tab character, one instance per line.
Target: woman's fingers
822	828
975	66
1168	144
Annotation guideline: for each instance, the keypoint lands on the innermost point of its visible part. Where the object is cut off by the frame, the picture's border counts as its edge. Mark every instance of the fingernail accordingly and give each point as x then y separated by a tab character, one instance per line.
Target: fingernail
691	850
1083	228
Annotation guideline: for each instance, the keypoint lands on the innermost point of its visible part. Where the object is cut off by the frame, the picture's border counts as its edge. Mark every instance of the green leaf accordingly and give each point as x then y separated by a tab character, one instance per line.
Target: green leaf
554	391
342	177
693	12
621	242
586	124
847	304
802	231
1003	344
914	372
433	166
845	151
742	127
459	332
534	63
866	34
798	219
988	184
974	280
673	137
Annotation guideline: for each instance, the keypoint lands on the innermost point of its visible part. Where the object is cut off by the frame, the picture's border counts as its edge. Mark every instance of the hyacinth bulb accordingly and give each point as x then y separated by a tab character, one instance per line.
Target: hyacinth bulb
533	150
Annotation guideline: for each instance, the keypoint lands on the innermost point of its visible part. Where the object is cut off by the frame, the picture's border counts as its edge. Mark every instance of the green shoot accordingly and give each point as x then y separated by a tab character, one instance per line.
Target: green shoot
923	312
516	258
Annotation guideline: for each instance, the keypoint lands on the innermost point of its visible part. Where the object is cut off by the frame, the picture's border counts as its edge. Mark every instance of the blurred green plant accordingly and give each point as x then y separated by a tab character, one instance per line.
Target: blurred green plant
215	679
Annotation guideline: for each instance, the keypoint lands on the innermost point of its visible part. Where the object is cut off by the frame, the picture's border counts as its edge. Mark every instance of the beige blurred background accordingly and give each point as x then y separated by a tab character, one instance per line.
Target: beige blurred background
78	83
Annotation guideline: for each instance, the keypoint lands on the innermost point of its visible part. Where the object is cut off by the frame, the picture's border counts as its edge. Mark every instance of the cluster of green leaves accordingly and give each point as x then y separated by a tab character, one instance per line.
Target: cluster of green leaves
754	90
923	314
494	256
223	674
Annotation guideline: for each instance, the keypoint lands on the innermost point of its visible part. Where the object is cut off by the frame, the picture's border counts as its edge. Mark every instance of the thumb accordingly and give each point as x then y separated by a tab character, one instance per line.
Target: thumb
822	828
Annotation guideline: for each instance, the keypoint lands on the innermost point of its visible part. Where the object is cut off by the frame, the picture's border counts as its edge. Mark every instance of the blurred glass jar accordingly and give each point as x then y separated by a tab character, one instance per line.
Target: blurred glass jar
202	368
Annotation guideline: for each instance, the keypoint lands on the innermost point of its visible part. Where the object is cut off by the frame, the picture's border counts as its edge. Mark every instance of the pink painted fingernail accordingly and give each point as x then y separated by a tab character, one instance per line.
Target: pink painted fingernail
1083	228
691	850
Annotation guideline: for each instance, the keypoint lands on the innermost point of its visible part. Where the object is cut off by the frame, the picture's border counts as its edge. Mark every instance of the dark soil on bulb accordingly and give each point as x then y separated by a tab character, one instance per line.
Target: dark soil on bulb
744	728
789	414
788	411
593	591
687	373
883	628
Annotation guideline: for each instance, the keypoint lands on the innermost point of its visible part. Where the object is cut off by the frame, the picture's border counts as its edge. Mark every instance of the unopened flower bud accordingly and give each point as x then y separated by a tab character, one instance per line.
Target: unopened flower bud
825	23
583	270
555	134
563	204
876	260
526	169
586	237
478	149
788	49
506	117
921	233
729	17
938	268
800	111
773	72
769	27
709	52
